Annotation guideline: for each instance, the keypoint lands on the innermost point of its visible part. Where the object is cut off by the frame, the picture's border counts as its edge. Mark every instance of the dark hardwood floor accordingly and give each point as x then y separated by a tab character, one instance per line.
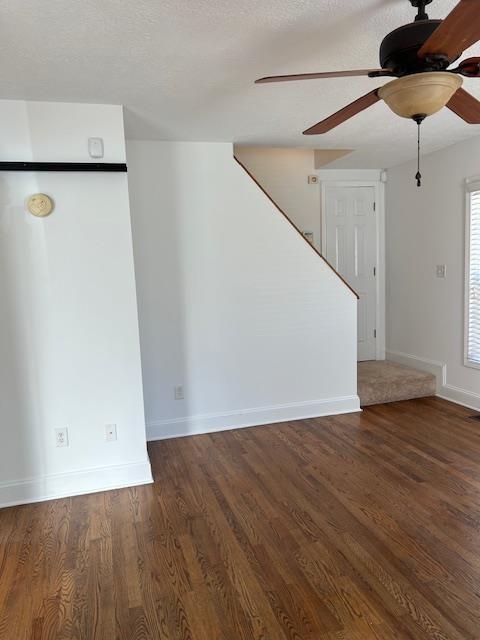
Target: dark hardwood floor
349	527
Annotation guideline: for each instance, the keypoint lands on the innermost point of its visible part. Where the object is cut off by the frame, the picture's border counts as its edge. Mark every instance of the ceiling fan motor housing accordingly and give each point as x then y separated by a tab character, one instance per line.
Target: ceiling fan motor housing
399	49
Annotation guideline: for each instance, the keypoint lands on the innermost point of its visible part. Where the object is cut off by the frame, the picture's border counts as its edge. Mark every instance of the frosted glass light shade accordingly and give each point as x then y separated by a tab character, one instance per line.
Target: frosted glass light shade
420	93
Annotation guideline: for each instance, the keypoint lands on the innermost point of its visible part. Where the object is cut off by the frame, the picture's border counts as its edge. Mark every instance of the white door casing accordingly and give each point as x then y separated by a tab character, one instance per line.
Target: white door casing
349	243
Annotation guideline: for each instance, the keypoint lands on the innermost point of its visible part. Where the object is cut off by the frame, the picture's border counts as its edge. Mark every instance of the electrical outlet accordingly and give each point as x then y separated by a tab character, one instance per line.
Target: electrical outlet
110	432
441	271
178	392
61	437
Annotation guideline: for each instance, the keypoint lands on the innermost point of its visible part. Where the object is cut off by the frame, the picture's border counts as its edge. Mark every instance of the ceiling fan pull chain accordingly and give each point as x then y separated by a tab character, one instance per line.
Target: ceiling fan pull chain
418	176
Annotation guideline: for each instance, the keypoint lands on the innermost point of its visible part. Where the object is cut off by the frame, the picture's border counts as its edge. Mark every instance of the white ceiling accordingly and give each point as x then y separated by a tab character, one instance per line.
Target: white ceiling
184	69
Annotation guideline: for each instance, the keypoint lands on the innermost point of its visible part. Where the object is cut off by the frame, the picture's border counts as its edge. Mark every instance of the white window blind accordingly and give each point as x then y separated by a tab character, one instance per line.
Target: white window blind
472	341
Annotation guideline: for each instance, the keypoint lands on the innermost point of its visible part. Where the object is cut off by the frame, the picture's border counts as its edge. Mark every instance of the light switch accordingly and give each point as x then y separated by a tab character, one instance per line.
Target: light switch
95	147
441	271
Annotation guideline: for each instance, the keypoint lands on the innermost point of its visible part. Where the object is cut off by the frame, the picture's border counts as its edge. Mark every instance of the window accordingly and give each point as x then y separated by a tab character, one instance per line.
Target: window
472	290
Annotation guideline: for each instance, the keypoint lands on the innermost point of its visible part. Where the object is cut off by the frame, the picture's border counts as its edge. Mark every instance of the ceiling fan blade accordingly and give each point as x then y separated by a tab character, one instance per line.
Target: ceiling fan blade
465	106
344	114
323	74
470	68
459	30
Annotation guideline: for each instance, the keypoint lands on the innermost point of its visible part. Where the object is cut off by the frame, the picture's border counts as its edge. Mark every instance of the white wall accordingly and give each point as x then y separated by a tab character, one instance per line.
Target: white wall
69	343
426	227
233	303
283	173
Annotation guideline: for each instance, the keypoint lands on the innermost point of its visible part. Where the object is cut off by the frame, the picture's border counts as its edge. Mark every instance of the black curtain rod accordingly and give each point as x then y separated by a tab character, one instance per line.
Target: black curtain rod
63	166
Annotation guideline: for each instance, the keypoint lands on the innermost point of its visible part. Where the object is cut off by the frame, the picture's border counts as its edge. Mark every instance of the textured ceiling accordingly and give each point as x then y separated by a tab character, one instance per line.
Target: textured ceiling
184	69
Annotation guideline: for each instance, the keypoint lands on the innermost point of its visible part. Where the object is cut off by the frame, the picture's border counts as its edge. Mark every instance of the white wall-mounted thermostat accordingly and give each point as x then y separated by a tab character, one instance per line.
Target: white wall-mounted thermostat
95	147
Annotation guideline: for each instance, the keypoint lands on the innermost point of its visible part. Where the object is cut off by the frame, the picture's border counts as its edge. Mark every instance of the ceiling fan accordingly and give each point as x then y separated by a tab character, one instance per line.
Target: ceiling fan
418	55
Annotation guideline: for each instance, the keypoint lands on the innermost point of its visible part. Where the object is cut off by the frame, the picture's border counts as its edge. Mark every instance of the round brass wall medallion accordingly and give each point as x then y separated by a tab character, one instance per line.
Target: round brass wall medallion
40	205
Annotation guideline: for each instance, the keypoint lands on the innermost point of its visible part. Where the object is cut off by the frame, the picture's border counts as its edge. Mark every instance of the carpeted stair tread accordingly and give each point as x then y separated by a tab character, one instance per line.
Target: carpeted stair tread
382	381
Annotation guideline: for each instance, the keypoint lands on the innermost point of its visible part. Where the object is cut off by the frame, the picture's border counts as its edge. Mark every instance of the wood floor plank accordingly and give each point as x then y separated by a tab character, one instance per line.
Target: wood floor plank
353	527
343	512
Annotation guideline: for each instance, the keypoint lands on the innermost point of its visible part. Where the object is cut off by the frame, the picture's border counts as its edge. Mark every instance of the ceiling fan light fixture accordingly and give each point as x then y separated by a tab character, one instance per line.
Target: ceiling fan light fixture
420	93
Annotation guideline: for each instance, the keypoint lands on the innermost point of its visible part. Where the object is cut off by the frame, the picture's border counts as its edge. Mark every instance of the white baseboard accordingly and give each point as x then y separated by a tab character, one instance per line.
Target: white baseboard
61	485
209	423
460	396
439	370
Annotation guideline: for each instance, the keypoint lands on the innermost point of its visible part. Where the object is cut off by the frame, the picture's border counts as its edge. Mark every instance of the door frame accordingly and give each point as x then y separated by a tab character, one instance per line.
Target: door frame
379	190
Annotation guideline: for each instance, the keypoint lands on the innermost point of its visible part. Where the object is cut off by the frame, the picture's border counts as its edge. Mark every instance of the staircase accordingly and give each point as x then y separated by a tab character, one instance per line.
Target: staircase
381	381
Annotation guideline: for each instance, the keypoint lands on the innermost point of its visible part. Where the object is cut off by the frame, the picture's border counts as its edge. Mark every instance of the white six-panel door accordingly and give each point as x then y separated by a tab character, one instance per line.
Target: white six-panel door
349	244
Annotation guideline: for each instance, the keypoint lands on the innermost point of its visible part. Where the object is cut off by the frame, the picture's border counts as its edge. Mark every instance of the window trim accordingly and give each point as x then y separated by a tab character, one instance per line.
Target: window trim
471	185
